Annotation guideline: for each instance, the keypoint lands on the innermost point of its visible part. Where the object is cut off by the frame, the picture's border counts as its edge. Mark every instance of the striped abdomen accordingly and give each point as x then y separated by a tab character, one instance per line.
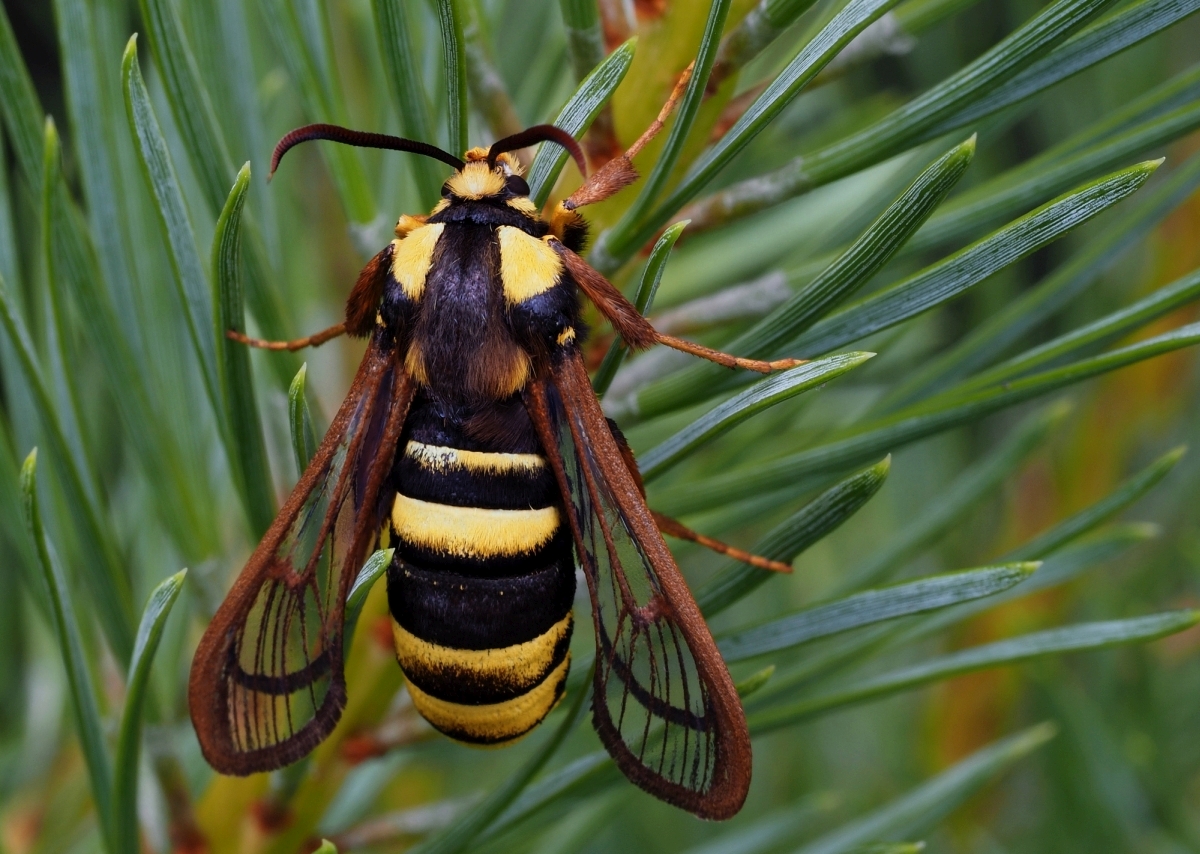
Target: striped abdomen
482	582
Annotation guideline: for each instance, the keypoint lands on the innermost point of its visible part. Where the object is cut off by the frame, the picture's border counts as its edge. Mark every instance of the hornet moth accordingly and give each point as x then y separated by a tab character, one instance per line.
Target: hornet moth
472	442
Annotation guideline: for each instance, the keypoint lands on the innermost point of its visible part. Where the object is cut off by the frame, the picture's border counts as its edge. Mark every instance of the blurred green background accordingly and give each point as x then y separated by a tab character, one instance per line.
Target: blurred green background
959	712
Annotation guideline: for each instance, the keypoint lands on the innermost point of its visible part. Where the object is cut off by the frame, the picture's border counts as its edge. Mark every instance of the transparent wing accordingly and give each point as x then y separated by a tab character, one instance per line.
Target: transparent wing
267	684
664	705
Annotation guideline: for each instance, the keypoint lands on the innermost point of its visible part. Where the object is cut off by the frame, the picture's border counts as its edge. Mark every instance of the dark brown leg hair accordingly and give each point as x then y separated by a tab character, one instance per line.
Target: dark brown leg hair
298	344
618	173
676	529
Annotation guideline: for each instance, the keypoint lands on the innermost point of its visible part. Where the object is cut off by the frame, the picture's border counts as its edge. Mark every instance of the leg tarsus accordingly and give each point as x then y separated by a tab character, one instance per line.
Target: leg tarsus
677	529
298	344
725	359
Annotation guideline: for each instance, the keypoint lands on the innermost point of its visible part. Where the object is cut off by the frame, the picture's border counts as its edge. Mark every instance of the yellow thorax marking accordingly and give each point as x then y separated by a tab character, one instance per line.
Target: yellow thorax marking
476	181
520	664
472	532
407	224
493	721
528	266
561	219
566	336
412	257
441	458
524	205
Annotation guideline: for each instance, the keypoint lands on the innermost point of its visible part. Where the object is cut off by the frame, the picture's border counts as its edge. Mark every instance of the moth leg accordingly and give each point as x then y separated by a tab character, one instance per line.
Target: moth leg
618	173
614	176
677	529
725	359
637	330
298	344
361	308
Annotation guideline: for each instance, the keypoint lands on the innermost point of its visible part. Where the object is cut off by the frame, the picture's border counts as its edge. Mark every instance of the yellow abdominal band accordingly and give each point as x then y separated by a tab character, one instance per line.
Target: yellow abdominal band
528	668
440	458
472	532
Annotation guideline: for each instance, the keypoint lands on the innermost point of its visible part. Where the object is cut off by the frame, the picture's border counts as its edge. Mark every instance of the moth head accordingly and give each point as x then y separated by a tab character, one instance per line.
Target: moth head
492	174
483	178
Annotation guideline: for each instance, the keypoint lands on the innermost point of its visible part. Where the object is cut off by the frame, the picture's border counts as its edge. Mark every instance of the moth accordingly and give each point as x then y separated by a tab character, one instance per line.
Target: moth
472	443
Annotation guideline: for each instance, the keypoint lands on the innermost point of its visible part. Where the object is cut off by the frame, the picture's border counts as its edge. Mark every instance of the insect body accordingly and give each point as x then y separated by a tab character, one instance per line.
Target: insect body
472	443
483	580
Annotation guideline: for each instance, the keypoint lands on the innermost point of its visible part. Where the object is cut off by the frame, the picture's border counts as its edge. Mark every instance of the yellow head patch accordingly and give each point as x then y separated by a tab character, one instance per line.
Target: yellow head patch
476	181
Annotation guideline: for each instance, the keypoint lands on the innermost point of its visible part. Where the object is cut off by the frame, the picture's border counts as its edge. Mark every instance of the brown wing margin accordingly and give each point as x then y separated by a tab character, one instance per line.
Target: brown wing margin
664	706
266	684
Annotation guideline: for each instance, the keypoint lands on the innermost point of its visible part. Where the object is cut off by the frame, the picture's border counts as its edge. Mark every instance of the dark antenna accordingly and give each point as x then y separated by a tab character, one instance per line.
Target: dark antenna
362	139
538	133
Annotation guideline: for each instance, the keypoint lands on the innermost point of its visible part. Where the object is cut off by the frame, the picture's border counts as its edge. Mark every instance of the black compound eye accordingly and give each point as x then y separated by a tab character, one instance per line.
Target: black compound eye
446	190
517	185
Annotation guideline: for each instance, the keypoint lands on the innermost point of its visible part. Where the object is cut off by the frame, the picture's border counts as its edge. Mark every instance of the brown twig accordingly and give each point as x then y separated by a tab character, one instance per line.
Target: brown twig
403	824
403	726
734	110
185	834
615	22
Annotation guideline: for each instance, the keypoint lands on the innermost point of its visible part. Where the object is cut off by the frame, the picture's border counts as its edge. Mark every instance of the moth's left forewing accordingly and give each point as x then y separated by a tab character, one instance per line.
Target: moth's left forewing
664	706
266	684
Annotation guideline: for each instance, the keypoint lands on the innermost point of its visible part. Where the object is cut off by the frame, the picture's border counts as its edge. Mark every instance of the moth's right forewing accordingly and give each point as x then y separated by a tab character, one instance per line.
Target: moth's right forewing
266	684
664	705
